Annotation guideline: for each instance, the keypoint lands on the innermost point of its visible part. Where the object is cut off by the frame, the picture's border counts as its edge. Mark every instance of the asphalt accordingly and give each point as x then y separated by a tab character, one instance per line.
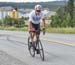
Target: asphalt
67	39
6	59
13	44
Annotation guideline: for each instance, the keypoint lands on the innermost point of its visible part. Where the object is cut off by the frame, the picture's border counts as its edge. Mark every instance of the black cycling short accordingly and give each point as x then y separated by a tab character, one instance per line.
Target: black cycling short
36	27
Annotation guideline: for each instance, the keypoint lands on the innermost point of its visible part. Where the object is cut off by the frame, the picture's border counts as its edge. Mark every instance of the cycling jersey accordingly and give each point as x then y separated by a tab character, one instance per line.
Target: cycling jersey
35	19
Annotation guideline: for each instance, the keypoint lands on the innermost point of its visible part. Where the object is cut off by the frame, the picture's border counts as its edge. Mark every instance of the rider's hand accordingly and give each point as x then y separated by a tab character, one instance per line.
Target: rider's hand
44	31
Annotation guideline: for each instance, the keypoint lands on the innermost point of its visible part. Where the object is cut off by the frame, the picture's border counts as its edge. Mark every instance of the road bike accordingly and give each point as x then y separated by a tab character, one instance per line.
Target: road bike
36	46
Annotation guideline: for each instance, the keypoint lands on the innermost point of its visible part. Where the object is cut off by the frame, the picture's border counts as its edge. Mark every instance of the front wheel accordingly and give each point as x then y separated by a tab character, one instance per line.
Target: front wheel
40	47
31	48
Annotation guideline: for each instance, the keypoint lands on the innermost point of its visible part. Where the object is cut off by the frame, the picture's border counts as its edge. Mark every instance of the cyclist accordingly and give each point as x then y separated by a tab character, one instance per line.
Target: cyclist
34	22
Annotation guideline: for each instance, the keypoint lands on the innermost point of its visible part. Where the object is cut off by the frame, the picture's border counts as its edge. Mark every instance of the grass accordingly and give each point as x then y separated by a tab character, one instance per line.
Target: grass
12	28
61	30
48	29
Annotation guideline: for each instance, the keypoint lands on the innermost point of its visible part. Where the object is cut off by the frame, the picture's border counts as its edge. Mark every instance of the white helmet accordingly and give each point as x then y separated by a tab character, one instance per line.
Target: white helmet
38	7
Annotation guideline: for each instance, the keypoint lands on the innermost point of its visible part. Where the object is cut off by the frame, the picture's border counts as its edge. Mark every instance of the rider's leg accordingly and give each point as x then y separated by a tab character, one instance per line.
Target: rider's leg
32	36
30	26
33	42
29	29
37	41
38	32
37	36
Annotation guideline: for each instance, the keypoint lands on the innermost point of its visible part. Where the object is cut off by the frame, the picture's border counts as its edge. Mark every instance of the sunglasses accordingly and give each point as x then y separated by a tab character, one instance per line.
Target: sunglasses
38	10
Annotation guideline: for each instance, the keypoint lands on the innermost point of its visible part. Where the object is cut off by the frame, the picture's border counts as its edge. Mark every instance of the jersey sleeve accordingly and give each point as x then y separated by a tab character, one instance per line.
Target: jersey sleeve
43	16
30	16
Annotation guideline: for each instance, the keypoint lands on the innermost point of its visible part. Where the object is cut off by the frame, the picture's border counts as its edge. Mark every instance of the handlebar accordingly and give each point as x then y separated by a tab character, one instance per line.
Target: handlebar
39	30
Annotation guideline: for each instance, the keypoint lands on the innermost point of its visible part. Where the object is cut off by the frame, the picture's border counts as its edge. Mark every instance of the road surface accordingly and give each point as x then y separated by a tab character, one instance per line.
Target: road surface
14	45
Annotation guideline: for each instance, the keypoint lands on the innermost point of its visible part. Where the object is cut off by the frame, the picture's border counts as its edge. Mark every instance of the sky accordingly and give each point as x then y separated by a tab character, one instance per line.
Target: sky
27	0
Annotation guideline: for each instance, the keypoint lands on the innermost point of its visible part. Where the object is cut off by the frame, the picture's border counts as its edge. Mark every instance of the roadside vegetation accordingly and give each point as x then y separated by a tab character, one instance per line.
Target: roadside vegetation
65	16
62	22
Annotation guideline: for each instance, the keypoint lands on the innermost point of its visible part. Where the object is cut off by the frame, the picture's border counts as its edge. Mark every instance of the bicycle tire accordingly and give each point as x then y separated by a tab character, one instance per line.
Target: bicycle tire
40	47
31	48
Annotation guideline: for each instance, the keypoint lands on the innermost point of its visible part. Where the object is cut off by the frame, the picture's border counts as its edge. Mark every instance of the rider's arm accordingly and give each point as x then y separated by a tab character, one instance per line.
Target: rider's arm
43	23
29	26
30	20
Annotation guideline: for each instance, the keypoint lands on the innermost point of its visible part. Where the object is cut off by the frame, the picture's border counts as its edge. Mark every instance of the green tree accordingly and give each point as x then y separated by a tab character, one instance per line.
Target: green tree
65	16
55	21
71	9
66	21
8	21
